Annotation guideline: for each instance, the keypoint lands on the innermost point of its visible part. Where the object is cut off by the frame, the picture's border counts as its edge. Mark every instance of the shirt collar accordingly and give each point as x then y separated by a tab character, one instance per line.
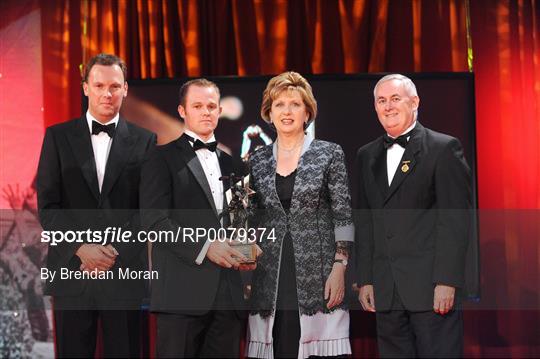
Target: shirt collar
197	137
90	118
411	127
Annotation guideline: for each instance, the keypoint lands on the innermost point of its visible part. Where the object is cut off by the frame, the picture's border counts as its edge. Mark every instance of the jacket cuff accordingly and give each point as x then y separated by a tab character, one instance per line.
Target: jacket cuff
202	253
344	233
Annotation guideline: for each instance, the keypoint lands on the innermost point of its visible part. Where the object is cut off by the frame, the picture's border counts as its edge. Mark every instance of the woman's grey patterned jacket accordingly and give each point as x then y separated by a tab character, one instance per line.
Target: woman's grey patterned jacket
320	214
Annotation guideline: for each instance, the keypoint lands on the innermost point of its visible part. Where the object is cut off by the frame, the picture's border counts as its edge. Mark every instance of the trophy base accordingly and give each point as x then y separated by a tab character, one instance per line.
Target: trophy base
248	250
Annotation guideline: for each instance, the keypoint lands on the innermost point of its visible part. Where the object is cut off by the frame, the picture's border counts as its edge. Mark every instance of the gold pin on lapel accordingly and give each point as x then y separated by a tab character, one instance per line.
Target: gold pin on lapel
405	166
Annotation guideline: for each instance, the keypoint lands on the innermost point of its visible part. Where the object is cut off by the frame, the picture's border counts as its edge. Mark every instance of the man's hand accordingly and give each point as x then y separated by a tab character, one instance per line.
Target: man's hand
95	256
443	298
222	254
367	298
334	289
249	267
112	250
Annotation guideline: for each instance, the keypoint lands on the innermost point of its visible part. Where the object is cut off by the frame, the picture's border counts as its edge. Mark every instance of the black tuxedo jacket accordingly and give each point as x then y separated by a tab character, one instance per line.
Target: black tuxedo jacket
176	197
412	234
69	199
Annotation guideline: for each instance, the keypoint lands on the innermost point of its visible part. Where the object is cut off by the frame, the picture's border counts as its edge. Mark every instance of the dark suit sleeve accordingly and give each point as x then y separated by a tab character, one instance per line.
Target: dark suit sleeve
453	193
156	194
363	228
128	251
49	192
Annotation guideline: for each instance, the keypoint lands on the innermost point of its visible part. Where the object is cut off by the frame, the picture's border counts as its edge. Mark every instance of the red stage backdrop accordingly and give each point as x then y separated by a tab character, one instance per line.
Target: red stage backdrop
21	94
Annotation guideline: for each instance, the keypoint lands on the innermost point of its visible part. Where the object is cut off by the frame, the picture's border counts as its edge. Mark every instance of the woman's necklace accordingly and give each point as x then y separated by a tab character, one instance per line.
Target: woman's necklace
292	149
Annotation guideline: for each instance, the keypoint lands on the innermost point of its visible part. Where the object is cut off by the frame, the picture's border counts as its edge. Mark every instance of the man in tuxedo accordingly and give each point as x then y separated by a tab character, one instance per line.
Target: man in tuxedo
198	297
413	198
88	178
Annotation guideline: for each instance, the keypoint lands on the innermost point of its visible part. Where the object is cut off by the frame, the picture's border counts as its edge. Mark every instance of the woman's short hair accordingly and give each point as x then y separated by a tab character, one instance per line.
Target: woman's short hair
288	81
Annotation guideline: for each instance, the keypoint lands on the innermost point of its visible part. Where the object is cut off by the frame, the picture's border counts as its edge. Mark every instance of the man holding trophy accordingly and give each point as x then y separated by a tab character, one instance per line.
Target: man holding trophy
237	212
197	297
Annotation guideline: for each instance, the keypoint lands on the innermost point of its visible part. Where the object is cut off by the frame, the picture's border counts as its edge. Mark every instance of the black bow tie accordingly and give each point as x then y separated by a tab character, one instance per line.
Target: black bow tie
198	144
98	127
401	140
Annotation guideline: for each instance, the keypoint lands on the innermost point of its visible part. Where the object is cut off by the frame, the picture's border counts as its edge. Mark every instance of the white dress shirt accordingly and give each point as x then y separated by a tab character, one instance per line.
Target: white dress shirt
101	145
394	154
210	164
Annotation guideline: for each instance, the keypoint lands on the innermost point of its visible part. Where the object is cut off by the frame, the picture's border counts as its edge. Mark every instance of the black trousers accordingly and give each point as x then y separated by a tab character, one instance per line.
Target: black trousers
76	327
405	334
215	334
286	331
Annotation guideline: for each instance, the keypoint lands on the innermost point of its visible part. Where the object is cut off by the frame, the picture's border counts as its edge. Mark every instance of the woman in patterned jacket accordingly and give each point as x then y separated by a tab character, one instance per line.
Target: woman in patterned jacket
302	194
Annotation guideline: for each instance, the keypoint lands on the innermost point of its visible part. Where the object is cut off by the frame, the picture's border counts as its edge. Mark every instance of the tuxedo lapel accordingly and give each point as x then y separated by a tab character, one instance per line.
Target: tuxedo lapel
81	145
226	168
408	161
194	165
225	165
121	149
378	168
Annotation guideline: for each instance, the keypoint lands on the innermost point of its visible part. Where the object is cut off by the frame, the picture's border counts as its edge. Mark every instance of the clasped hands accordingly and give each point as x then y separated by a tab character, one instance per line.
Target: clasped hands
443	298
224	255
96	257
